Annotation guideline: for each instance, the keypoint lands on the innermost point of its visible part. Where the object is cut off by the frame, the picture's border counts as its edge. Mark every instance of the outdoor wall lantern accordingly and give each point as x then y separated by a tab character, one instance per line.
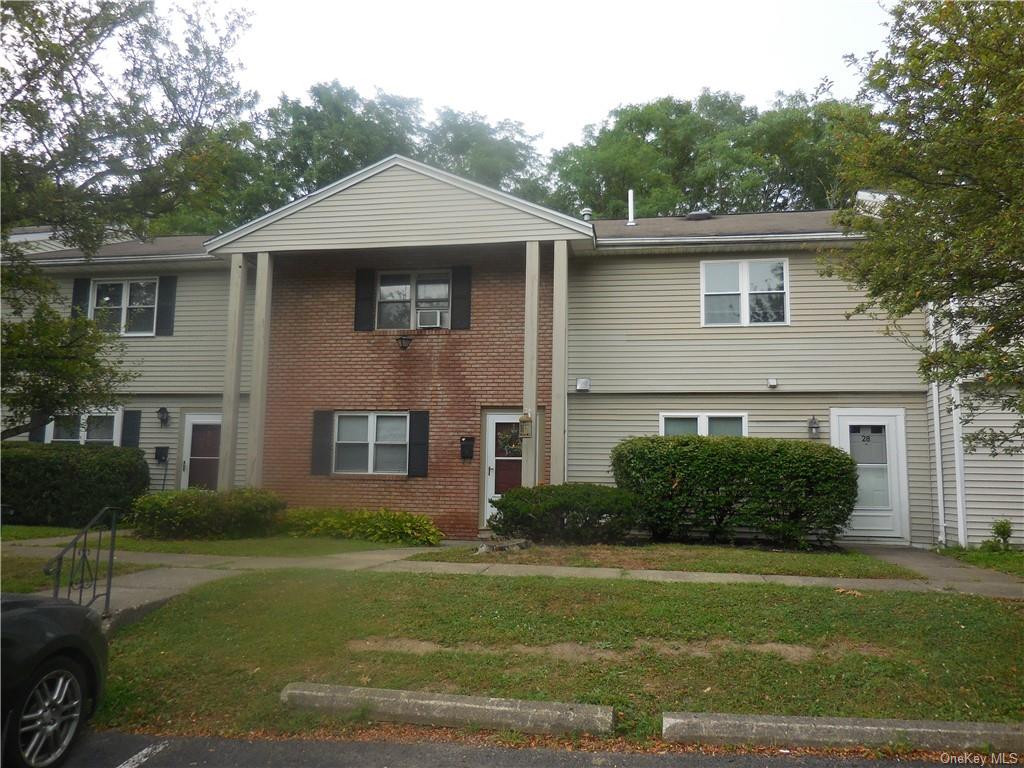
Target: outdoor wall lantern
164	415
525	426
813	427
404	342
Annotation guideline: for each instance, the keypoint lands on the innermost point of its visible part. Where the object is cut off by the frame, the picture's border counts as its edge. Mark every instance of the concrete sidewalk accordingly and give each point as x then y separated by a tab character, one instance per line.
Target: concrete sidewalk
135	594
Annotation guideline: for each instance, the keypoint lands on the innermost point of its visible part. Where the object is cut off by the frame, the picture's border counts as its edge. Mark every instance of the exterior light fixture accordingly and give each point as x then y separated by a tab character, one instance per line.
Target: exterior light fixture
813	427
164	415
404	342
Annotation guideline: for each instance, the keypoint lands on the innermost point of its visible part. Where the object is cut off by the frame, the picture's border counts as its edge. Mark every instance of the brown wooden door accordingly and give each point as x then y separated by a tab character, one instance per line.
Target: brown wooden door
202	452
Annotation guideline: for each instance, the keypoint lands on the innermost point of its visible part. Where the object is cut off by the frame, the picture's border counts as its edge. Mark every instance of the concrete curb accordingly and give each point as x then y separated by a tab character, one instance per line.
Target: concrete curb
770	730
450	710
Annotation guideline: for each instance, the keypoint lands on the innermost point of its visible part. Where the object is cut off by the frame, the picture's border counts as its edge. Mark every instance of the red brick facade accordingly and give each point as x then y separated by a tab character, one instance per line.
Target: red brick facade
318	362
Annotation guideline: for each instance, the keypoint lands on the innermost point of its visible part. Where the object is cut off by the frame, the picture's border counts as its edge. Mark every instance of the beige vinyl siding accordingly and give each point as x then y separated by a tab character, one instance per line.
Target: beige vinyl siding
994	486
635	326
399	207
151	434
192	360
598	422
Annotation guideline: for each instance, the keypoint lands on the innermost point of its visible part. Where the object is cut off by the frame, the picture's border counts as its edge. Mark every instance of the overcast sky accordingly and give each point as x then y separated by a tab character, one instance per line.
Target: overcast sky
557	66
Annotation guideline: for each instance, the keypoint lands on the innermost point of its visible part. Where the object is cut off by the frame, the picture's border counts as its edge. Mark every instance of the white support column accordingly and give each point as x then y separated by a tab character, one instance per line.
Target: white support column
530	318
260	358
559	360
232	375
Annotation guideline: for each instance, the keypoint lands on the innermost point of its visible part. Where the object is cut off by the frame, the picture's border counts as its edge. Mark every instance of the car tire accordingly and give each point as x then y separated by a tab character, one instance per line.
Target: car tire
48	715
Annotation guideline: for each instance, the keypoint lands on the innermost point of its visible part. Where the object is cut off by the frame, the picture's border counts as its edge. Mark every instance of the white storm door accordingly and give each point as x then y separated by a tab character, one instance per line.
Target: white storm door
201	451
875	438
503	457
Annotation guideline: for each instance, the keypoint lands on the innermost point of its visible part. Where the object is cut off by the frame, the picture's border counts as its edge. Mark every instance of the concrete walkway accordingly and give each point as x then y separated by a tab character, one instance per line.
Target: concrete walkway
172	574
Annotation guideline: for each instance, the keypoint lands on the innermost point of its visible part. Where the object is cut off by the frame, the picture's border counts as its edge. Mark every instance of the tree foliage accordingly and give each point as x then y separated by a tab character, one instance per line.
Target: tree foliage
713	153
112	113
54	363
947	149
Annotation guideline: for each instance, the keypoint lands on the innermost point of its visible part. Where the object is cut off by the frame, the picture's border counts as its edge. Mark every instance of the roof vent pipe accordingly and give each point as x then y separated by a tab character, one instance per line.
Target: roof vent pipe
631	222
587	214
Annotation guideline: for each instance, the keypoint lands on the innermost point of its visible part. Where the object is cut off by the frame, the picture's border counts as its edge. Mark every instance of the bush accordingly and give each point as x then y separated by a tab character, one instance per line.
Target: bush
789	492
1003	531
196	513
383	525
575	513
68	484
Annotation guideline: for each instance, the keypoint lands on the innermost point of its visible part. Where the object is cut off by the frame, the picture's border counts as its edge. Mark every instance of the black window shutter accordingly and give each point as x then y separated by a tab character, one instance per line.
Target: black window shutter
365	284
419	437
166	293
80	297
461	292
37	435
131	425
322	462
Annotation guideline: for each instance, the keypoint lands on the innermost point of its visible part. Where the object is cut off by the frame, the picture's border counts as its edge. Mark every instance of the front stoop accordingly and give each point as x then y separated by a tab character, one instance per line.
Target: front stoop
768	730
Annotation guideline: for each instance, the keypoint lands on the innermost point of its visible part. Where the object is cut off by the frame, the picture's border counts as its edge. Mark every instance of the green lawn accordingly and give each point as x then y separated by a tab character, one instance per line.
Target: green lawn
688	557
25	574
215	660
23	532
1011	562
270	546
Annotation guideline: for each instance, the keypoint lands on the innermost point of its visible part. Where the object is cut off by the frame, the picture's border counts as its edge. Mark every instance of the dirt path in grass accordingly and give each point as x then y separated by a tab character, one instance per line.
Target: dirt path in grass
578	652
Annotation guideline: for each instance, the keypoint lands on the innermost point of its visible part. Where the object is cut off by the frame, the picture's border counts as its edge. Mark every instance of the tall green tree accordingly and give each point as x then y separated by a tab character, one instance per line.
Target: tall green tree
713	153
309	144
946	148
108	112
502	155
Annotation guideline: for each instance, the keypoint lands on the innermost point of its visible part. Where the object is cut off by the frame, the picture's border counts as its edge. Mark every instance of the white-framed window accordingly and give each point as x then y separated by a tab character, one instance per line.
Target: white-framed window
126	307
371	443
96	428
707	424
407	300
748	292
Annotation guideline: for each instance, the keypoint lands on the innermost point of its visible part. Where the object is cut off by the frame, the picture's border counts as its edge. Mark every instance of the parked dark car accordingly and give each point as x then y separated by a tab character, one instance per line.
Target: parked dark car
54	662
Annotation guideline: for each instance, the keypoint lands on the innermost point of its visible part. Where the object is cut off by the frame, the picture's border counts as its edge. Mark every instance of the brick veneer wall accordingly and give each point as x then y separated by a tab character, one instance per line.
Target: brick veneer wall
318	362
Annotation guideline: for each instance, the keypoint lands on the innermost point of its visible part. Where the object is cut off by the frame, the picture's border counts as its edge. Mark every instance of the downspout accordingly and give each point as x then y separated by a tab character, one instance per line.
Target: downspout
958	461
937	430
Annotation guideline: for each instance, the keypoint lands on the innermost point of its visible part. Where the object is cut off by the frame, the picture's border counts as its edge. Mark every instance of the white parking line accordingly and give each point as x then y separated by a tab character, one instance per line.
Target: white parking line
138	759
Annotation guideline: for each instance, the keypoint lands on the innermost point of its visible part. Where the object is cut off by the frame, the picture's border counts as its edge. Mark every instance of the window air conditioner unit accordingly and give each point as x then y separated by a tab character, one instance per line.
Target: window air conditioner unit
428	318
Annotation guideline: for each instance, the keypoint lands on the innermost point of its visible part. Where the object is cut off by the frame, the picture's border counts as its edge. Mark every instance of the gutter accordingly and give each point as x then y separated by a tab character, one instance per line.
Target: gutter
633	242
97	261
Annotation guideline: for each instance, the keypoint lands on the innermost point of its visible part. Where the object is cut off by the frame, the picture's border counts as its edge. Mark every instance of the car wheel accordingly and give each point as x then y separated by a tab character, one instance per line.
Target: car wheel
48	715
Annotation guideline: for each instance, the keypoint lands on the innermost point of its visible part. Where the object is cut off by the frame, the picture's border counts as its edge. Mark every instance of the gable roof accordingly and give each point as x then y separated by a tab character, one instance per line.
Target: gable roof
400	202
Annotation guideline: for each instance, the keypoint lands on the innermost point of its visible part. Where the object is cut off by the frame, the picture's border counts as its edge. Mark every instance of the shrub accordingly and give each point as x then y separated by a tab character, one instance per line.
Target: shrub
383	525
68	484
196	513
786	491
1003	531
575	513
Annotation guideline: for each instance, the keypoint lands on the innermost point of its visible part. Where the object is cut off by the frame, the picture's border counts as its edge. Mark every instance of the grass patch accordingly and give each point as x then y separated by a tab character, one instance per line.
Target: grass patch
1007	561
25	574
268	546
215	660
23	532
688	557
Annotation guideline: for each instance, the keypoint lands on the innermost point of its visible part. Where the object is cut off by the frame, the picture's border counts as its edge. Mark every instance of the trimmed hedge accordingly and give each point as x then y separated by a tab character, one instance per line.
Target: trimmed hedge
575	513
197	513
382	525
68	484
789	492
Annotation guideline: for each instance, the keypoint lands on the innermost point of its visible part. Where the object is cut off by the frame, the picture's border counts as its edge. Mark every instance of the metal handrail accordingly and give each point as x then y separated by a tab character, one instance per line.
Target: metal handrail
84	569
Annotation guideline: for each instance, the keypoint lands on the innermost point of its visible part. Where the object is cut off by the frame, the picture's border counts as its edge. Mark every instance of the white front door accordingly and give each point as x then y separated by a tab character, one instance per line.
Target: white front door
503	458
875	438
201	451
